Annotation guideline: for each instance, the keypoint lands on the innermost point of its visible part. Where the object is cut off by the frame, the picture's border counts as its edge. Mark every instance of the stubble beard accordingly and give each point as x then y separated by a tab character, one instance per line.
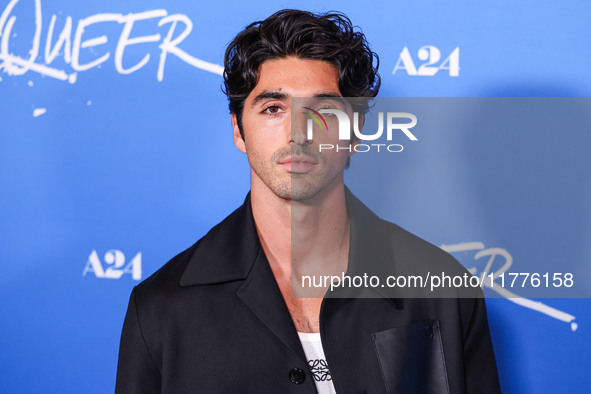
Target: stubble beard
291	186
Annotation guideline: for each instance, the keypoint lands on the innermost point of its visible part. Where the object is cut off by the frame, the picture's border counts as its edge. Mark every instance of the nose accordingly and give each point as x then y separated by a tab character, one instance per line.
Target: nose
299	129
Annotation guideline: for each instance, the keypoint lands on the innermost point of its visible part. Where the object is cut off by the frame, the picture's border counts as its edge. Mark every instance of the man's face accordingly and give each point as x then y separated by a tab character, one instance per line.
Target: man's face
281	158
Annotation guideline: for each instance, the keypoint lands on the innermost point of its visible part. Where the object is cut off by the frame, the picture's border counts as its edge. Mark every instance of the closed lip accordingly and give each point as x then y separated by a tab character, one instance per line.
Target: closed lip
298	160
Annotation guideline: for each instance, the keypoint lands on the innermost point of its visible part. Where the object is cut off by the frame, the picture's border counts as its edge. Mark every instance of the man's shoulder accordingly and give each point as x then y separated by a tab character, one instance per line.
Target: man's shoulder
410	250
407	249
167	277
406	242
441	274
207	260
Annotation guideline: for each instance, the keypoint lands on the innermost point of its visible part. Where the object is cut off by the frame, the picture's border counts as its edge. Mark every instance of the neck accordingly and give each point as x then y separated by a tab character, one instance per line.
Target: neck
308	237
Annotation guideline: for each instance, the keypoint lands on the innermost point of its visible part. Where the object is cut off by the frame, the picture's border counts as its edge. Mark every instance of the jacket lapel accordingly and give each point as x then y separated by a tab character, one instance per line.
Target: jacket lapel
226	253
370	252
261	294
231	251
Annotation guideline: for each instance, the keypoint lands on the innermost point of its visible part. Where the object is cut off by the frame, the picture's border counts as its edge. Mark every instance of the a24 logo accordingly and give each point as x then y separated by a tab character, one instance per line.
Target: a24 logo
430	55
116	267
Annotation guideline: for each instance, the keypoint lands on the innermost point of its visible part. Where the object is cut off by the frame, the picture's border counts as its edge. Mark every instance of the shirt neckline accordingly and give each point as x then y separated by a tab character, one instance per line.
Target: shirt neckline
309	336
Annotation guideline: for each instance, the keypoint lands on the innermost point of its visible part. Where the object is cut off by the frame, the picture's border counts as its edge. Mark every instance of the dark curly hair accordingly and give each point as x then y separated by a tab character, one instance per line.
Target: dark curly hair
329	37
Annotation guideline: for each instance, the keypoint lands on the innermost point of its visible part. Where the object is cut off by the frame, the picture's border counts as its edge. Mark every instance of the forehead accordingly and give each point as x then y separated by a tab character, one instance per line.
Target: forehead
297	77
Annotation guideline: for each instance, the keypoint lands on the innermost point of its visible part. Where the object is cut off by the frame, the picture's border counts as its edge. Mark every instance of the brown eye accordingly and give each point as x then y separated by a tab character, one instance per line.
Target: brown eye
273	110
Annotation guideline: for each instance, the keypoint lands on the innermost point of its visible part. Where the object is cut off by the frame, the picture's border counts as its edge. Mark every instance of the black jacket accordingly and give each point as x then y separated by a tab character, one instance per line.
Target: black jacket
212	320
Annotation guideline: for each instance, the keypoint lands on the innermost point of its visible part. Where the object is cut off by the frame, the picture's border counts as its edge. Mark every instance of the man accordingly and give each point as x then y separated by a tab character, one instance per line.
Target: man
221	317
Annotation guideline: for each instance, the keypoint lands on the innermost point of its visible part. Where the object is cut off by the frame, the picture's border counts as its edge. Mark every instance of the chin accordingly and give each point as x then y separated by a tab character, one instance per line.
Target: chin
302	192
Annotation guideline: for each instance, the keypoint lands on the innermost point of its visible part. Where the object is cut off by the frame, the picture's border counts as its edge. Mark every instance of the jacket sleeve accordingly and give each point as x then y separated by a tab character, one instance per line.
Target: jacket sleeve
479	358
136	370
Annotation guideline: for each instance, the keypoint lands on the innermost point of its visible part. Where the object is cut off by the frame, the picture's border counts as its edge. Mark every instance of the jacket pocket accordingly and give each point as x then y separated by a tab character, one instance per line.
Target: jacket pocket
411	359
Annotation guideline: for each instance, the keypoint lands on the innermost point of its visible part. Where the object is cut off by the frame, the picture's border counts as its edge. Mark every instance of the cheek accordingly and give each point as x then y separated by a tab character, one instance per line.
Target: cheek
265	130
252	147
258	149
331	135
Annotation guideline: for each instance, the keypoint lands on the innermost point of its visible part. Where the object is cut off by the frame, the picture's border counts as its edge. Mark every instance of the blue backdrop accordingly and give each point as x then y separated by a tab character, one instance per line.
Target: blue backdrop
116	153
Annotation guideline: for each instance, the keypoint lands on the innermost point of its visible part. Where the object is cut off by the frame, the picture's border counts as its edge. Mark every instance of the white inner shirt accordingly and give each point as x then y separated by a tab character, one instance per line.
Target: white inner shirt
317	365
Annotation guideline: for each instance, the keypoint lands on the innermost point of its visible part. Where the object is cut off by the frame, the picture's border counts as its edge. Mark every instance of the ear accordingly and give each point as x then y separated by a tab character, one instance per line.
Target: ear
238	140
355	140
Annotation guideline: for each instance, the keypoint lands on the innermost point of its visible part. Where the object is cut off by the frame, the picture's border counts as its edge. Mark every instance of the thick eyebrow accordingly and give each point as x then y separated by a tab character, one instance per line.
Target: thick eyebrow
270	94
327	95
335	97
278	95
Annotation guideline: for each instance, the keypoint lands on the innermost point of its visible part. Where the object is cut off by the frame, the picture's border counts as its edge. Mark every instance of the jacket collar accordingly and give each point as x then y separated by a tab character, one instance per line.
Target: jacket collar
229	250
370	250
